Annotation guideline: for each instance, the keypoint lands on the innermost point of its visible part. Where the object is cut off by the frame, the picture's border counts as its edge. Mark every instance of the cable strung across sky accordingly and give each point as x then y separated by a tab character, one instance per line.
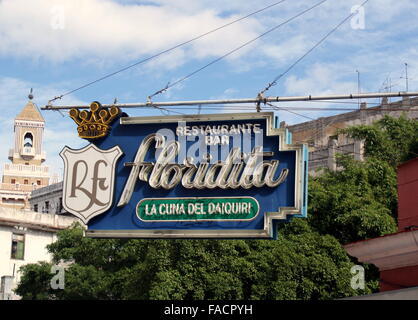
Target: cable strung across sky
168	86
274	82
167	50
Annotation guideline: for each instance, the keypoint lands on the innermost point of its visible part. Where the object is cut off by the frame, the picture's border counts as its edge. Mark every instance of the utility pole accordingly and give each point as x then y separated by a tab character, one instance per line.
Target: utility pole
259	100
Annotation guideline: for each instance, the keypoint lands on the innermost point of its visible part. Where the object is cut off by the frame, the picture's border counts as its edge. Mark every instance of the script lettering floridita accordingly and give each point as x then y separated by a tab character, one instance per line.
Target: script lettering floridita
232	173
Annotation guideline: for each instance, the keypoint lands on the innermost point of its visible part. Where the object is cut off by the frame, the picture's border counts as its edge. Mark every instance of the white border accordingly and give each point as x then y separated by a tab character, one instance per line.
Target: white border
198	198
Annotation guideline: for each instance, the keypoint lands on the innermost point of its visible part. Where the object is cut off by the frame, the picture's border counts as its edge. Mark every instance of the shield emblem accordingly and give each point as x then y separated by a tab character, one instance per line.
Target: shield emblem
89	175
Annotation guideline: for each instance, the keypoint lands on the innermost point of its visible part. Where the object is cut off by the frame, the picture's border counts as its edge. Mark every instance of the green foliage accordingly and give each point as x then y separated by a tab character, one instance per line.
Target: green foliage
393	140
35	284
360	201
356	203
302	264
306	262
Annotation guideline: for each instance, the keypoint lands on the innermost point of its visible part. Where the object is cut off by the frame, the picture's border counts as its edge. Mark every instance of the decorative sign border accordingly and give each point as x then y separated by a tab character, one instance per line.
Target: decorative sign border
270	218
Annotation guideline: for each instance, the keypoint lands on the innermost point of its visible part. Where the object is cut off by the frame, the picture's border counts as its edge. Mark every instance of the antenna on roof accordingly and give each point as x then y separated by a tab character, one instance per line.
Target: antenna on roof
358	87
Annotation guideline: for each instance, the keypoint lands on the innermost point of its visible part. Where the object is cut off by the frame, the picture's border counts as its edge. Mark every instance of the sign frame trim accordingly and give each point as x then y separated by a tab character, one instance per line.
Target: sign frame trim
282	213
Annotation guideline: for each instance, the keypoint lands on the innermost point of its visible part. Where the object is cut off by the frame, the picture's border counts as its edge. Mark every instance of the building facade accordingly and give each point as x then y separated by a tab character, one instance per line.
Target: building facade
47	199
324	142
24	236
26	171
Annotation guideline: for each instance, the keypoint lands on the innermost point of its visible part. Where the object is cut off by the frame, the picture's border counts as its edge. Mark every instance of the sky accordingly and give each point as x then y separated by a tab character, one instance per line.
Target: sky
55	46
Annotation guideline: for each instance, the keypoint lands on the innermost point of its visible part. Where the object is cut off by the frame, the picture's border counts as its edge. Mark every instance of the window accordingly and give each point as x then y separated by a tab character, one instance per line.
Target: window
35	207
38	182
26	181
18	246
28	140
13	181
60	205
47	206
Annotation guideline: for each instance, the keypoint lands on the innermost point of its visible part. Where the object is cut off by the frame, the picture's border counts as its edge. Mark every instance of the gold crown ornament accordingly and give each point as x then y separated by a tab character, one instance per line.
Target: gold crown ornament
94	124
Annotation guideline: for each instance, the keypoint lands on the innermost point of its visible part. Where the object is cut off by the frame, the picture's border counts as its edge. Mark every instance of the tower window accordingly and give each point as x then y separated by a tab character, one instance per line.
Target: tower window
28	140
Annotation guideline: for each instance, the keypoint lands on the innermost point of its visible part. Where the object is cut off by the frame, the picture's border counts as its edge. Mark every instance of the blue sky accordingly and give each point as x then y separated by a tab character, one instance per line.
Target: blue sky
54	46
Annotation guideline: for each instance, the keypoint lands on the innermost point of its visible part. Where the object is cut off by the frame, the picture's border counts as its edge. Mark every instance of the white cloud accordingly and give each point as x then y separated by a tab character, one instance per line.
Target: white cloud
320	79
101	29
105	32
288	49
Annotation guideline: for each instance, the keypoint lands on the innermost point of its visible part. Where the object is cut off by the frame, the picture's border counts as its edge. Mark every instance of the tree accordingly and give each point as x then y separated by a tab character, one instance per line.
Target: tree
356	203
306	262
393	140
302	264
360	201
36	284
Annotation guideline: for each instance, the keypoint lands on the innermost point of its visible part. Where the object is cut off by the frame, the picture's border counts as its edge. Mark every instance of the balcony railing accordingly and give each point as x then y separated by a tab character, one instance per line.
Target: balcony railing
18	187
20	169
26	151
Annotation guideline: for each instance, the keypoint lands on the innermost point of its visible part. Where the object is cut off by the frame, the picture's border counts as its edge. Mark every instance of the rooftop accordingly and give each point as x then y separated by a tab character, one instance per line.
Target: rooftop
30	112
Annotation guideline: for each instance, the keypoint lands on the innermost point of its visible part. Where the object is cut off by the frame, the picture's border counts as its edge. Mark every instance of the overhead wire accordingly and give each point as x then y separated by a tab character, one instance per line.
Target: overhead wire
167	110
170	85
167	50
274	82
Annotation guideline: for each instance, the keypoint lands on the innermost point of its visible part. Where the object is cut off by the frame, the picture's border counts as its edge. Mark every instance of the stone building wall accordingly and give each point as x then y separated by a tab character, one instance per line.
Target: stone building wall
323	142
47	199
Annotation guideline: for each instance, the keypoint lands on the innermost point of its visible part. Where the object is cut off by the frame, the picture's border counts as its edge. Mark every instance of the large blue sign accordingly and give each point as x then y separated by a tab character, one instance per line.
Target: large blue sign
193	176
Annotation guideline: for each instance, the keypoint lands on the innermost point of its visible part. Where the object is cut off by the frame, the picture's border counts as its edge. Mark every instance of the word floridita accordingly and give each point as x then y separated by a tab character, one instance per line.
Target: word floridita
229	174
